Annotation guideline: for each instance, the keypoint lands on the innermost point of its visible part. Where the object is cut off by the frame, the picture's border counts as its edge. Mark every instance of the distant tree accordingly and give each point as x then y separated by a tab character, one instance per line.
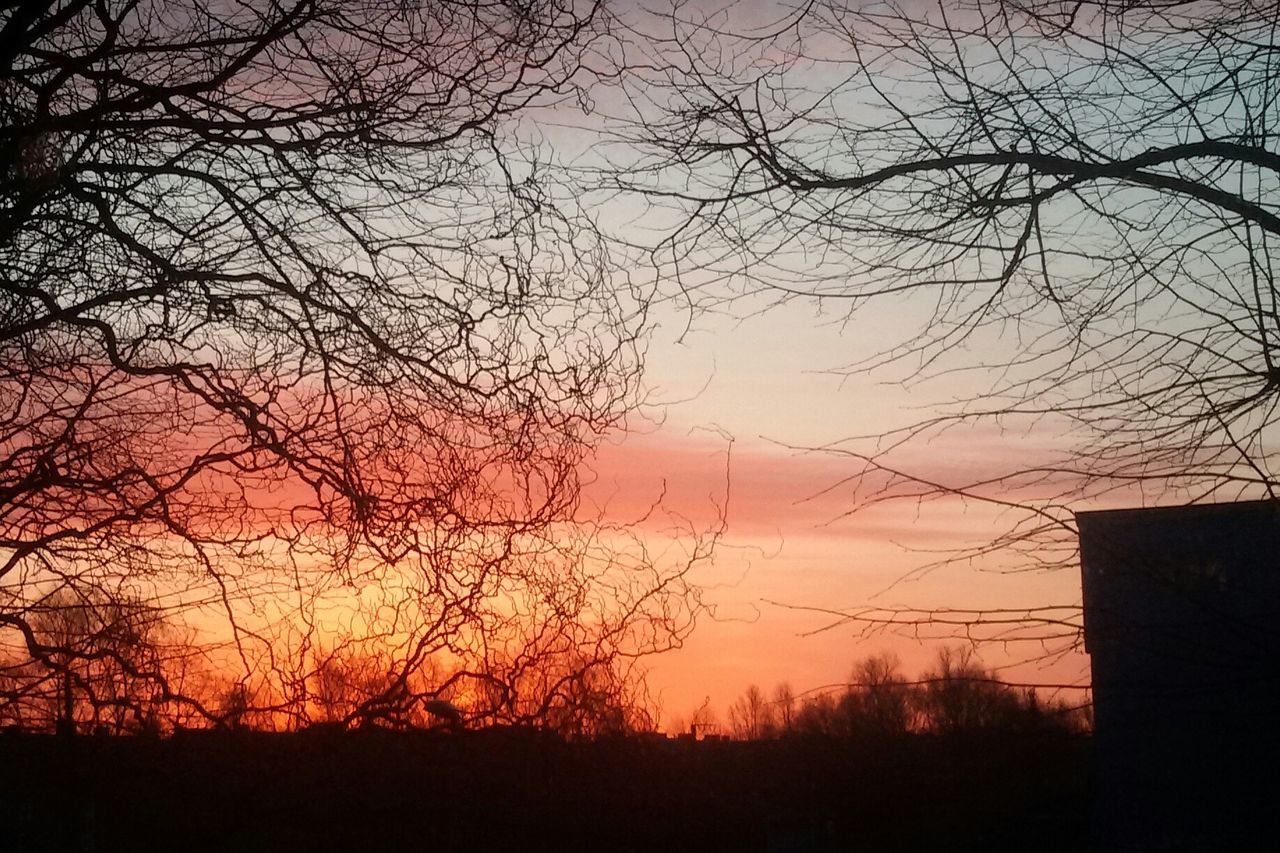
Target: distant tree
818	715
588	704
879	702
703	720
752	716
100	657
959	695
235	707
956	696
784	705
343	683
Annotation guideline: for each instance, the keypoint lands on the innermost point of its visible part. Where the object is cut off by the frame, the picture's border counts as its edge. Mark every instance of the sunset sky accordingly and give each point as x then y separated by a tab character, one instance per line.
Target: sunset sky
636	423
755	199
764	382
769	376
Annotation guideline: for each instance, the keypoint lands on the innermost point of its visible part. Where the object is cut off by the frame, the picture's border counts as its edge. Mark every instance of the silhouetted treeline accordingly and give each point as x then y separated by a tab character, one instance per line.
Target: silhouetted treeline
954	759
957	695
524	789
117	666
100	663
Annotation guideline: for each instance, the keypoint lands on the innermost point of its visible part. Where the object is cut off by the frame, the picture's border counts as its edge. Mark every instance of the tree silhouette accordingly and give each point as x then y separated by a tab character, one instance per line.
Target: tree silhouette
881	703
98	658
1076	203
957	697
298	338
784	704
961	696
752	716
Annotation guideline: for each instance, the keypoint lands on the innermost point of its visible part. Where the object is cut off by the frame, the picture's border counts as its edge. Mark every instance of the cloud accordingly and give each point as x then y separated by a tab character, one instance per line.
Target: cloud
771	490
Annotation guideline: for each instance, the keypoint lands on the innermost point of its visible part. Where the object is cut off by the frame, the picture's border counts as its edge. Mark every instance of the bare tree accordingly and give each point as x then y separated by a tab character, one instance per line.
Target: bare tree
99	656
784	703
959	695
818	715
297	335
1076	203
751	716
879	701
702	721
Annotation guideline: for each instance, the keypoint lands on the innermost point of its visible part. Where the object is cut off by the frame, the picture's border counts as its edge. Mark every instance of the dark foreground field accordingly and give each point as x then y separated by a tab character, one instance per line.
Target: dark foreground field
519	791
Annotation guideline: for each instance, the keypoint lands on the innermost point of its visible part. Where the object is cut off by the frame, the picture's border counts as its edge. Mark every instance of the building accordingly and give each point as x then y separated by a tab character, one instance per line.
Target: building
1182	624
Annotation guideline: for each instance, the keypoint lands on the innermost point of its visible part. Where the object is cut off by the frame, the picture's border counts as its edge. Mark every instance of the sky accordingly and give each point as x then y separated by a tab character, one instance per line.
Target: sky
738	395
739	405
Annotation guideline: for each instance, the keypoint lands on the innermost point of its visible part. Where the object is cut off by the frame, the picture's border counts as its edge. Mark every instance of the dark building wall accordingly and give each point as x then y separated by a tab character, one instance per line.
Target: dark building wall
1182	623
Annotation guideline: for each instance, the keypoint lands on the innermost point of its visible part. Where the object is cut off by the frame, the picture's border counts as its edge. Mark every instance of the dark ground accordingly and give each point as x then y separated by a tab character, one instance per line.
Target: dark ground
369	791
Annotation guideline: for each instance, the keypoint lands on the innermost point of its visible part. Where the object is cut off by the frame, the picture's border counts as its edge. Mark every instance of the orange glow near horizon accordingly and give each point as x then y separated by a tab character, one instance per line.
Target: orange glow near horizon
789	545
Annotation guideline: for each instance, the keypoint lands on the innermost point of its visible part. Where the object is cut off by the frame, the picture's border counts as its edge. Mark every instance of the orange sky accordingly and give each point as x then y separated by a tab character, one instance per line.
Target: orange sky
761	376
759	381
